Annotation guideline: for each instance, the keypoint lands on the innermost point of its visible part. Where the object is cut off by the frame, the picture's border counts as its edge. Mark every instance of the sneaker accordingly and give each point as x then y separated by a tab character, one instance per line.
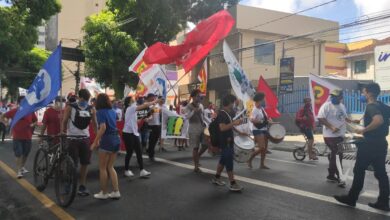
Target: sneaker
83	191
341	184
20	174
24	170
128	173
235	187
218	181
379	206
144	174
114	195
345	200
101	195
332	179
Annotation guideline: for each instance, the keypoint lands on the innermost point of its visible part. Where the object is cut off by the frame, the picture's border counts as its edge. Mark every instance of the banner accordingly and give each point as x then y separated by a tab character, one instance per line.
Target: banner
173	125
44	88
91	85
202	77
155	81
382	66
286	79
139	65
241	85
271	100
319	91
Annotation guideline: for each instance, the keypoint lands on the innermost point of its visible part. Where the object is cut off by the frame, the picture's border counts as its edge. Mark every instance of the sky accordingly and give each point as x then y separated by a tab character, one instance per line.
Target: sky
342	11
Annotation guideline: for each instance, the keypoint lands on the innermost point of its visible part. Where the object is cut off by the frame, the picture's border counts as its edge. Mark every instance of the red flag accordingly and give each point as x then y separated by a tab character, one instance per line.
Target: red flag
198	43
271	100
321	94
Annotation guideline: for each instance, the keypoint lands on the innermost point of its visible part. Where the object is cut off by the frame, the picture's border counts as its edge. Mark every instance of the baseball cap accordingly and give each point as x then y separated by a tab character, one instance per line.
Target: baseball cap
336	92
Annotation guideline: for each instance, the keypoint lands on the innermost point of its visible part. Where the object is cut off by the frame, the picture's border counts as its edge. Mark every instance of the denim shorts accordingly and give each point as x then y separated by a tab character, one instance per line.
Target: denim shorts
110	143
308	133
259	132
227	154
22	147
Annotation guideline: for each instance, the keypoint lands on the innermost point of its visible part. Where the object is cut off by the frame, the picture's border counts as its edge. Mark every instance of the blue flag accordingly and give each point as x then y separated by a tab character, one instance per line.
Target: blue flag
44	89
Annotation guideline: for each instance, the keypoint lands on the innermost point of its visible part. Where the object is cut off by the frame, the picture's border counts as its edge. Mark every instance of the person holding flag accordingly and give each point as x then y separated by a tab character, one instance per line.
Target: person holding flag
42	91
22	133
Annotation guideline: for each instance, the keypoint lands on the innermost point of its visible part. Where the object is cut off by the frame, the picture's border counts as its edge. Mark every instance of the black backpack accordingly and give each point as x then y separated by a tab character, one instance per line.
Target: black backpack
82	118
215	132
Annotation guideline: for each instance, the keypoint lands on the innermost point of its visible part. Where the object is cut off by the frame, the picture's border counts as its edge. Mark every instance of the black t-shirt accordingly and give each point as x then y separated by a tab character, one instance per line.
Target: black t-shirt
382	131
226	137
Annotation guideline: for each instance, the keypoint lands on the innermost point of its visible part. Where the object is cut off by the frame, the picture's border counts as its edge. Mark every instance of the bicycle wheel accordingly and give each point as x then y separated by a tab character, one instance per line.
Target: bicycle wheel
65	181
299	154
41	169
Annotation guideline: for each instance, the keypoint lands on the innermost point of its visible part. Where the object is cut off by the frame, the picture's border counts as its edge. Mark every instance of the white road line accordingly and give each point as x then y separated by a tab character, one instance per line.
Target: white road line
291	162
279	187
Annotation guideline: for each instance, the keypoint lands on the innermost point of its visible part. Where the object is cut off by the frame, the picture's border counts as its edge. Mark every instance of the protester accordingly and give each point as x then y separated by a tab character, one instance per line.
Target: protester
209	114
3	127
22	134
52	118
182	143
142	116
226	141
372	150
77	118
131	135
194	115
107	139
155	126
333	115
260	121
305	122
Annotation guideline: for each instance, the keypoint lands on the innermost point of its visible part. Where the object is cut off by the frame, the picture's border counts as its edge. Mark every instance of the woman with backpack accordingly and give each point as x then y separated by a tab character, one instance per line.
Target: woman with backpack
260	121
107	138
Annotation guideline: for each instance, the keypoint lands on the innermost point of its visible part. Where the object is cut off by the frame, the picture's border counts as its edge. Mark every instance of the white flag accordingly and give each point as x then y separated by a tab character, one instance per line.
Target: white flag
155	81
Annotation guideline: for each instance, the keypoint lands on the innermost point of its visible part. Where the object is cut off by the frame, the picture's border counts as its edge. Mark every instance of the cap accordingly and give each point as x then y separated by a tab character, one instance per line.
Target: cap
336	92
150	95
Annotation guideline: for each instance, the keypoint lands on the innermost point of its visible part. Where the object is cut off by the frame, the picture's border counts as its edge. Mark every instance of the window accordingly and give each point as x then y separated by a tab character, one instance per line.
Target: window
264	54
360	66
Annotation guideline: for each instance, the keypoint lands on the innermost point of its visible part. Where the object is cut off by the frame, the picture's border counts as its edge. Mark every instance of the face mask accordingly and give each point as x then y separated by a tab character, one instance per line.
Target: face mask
335	100
83	104
363	98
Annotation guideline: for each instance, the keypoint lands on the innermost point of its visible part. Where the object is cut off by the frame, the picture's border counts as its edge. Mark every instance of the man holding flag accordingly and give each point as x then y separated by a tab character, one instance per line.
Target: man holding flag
42	91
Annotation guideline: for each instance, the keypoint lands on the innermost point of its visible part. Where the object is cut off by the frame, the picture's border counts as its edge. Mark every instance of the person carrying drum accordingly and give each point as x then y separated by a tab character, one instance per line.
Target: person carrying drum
226	142
305	121
371	150
333	116
194	114
260	121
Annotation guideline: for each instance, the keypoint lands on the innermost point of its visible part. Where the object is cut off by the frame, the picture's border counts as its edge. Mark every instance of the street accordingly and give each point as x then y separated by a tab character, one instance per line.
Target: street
289	190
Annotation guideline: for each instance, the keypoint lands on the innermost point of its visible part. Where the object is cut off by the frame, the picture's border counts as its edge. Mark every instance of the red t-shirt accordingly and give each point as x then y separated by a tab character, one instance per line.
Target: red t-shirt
22	129
308	121
52	120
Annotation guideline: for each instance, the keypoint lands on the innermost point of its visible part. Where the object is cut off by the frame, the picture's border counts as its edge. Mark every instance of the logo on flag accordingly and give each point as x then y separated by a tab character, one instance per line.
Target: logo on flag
202	77
319	91
44	88
139	65
155	81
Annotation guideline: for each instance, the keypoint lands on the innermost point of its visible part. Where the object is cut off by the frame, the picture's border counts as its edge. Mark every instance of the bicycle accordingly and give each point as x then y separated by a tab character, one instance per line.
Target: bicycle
53	161
300	152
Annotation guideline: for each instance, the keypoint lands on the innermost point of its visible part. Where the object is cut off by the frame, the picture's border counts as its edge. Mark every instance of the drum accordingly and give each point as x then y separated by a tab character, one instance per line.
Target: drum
276	133
243	148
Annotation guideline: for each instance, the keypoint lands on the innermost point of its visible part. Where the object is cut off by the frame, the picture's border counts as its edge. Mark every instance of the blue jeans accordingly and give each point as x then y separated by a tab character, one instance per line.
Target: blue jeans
226	160
144	137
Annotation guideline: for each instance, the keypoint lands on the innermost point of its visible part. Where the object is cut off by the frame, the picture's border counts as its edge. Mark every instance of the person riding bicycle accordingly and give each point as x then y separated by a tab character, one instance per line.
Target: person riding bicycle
52	118
304	119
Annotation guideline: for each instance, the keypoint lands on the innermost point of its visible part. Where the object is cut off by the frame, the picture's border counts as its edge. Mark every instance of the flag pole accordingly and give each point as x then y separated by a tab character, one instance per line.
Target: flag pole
177	82
61	110
166	77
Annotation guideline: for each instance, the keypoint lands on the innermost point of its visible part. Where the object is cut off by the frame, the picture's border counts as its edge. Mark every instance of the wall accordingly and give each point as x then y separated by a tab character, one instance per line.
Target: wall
369	75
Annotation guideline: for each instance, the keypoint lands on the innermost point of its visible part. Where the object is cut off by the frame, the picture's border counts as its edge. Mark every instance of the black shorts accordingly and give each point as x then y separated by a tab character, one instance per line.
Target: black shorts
308	133
79	150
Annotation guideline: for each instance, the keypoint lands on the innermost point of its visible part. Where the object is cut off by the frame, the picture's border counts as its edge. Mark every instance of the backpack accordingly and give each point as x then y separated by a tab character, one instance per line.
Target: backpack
215	131
82	118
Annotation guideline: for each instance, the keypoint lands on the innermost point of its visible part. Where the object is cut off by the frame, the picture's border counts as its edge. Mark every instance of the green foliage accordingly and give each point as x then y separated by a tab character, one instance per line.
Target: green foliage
108	51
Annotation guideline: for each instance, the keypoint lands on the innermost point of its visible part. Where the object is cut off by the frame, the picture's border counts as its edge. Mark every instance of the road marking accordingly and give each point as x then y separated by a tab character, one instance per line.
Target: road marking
286	189
291	162
48	203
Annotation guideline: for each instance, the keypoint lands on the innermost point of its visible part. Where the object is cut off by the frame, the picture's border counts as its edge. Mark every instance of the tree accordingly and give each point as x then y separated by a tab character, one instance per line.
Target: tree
23	73
162	20
108	51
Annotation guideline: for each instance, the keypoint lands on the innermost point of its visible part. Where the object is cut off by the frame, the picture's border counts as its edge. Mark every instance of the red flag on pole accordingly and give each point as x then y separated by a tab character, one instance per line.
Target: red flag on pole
271	100
198	43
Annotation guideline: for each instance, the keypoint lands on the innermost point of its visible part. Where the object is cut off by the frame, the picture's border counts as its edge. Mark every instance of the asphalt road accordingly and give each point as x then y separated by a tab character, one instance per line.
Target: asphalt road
289	190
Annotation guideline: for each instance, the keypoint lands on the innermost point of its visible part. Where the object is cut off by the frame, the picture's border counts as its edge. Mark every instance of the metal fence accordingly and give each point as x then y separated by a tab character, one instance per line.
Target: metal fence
292	102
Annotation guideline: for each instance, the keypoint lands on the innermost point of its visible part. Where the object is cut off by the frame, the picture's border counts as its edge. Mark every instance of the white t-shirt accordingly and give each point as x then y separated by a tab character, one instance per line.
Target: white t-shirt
131	125
156	119
118	112
257	114
207	116
335	115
